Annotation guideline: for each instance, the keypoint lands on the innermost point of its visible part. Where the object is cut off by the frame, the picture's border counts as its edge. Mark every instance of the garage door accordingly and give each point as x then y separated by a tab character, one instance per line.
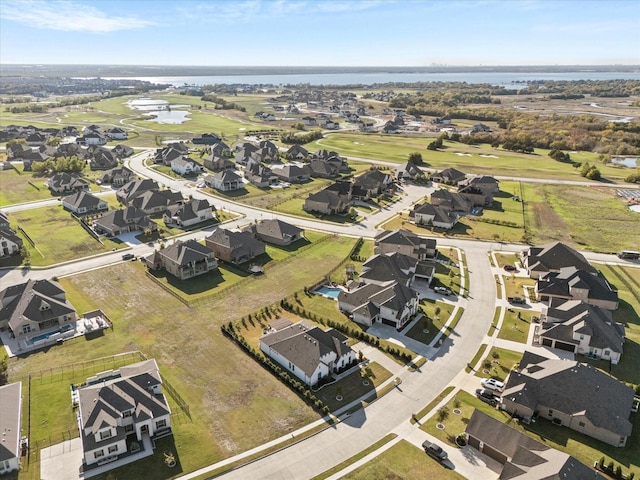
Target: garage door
495	454
566	346
474	442
389	322
547	342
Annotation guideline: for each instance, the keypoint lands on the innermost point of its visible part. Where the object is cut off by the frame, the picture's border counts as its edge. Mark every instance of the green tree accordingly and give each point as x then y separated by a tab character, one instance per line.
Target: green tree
53	141
443	413
415	158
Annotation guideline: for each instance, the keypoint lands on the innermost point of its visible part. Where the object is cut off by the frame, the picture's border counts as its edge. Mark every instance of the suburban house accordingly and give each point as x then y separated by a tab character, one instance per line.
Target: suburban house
129	219
122	151
408	171
393	305
10	242
449	176
570	394
186	166
578	327
439	217
218	163
384	269
522	457
225	181
260	176
234	247
170	152
405	242
220	149
266	152
374	182
307	352
117	133
18	151
573	284
183	260
134	188
156	201
551	257
101	158
122	412
117	177
327	202
321	169
454	201
83	202
92	138
296	152
206	139
66	183
488	185
35	306
10	425
292	173
244	153
275	232
187	214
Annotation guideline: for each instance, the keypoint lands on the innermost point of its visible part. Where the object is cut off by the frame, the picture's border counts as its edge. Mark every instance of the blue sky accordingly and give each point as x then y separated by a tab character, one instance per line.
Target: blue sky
321	32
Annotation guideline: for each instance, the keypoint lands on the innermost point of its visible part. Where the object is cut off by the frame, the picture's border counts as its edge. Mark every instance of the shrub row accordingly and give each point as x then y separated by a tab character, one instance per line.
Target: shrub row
614	470
300	388
494	221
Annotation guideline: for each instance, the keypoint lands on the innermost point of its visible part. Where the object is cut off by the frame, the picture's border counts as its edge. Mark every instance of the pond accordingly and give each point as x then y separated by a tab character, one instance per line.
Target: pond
631	162
173	117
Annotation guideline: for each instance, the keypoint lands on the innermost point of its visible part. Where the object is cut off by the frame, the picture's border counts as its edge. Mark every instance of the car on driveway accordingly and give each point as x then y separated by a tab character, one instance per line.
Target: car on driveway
487	396
442	290
510	268
492	384
434	451
517	300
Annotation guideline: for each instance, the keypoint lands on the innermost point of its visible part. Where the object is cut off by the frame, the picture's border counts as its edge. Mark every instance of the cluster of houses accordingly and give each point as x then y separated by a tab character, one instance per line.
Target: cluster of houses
187	259
578	303
87	147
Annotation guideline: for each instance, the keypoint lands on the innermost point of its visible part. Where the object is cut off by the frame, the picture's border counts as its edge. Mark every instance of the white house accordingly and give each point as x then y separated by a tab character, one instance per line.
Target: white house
10	242
190	213
84	202
224	181
120	405
10	420
94	139
186	166
117	133
307	352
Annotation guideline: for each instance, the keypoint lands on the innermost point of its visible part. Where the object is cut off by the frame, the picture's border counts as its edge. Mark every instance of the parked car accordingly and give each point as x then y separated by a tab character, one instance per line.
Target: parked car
128	256
442	290
518	300
492	384
510	268
434	451
487	396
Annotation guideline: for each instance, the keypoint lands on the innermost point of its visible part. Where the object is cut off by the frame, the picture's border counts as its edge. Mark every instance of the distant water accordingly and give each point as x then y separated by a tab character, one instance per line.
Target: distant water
493	78
631	162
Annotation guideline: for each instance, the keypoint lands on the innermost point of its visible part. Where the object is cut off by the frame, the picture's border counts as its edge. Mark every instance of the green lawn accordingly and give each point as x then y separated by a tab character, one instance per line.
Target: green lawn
403	461
501	365
513	285
57	236
433	323
505	259
514	327
230	414
21	187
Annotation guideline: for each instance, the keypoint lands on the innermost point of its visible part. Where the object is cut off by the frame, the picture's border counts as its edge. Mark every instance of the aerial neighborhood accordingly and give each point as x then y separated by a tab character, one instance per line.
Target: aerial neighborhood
314	267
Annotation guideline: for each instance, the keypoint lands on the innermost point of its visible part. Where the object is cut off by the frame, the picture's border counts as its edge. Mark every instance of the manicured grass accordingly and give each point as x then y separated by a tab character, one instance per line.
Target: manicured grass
433	322
58	236
514	328
589	218
231	413
467	158
494	323
501	365
433	403
448	275
506	259
18	188
513	286
403	461
356	457
475	358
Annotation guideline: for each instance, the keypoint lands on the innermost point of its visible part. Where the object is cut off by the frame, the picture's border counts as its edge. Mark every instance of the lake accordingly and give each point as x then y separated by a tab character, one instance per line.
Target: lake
631	162
172	117
507	79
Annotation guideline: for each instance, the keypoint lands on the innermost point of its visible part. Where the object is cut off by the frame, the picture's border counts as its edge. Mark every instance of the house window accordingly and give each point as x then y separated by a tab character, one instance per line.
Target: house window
113	448
581	424
606	353
161	423
550	412
105	434
98	454
126	414
128	428
26	328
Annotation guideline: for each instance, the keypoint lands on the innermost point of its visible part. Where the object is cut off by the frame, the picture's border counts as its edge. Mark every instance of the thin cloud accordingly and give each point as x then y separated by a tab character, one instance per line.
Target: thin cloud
68	16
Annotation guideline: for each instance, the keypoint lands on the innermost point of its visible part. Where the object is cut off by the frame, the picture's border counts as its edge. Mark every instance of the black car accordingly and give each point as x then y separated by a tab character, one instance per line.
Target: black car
128	256
487	396
434	451
518	300
510	268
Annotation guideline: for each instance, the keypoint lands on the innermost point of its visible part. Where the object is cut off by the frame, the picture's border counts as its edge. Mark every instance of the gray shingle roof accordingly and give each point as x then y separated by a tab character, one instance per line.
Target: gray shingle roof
556	255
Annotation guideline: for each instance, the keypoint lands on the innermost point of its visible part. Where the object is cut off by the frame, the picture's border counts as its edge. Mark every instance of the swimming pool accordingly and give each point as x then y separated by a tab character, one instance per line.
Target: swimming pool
331	292
44	336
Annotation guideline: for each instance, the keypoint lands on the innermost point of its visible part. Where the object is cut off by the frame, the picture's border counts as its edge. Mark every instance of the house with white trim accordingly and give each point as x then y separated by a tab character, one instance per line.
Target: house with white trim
10	424
122	411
